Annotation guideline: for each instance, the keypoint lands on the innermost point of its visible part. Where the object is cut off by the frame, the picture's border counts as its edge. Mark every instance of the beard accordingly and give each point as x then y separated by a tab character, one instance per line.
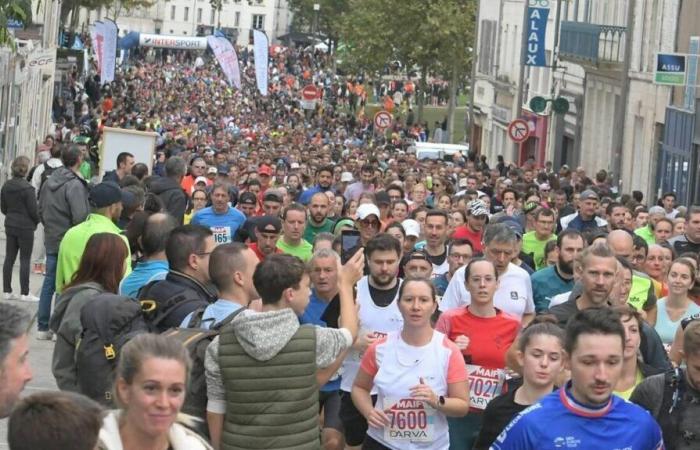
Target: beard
566	267
382	281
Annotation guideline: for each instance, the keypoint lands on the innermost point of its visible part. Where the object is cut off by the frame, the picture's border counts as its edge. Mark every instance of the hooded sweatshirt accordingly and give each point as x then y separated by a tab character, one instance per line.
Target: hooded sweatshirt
18	204
263	335
172	196
65	322
63	203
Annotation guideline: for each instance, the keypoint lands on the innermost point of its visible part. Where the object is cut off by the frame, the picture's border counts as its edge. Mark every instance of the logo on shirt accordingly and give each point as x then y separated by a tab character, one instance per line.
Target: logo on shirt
514	295
566	442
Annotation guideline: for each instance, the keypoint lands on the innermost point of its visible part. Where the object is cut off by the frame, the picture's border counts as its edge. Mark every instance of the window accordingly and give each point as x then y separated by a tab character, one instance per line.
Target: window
172	12
211	17
187	14
486	47
258	22
199	15
237	19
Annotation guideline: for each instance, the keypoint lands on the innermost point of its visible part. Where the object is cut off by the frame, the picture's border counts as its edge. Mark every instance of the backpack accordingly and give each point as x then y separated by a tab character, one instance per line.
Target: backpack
196	339
109	322
157	311
48	170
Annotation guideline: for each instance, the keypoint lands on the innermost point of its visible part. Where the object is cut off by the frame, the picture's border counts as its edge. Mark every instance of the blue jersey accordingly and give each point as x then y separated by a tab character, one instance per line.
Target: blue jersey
559	422
223	226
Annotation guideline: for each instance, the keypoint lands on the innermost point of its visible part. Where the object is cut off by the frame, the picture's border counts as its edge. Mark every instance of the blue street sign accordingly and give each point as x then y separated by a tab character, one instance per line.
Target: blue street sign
537	14
670	69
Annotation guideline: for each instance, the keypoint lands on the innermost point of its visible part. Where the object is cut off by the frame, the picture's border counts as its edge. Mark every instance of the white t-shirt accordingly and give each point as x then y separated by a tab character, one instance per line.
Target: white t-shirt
397	367
373	319
513	296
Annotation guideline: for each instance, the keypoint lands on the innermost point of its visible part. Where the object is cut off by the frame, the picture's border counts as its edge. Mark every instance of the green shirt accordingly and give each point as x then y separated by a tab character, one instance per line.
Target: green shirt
647	234
311	230
86	170
535	247
73	245
301	251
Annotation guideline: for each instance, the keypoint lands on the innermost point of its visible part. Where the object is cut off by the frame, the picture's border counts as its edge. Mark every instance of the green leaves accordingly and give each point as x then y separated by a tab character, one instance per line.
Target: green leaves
16	10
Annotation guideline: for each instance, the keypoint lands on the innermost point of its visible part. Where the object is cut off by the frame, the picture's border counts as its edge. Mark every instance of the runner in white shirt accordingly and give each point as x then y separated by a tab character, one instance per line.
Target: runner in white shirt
419	376
377	296
514	294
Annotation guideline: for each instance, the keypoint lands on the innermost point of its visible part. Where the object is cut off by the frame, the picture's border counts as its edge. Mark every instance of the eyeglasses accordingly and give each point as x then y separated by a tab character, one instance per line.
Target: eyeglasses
198	199
369	223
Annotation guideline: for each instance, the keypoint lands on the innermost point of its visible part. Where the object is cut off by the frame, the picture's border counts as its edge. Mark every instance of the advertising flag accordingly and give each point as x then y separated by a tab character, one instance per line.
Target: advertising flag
537	14
260	49
226	55
109	51
98	37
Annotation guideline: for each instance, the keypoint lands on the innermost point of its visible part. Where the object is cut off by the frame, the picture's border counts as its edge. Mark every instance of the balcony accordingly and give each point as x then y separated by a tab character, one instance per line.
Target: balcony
588	44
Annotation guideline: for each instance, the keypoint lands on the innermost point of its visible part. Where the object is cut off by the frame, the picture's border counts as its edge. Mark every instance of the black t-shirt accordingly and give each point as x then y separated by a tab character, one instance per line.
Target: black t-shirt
438	259
382	297
332	313
498	413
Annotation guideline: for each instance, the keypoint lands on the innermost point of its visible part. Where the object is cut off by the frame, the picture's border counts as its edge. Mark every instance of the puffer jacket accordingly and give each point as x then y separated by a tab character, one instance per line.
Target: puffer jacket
18	204
171	194
179	436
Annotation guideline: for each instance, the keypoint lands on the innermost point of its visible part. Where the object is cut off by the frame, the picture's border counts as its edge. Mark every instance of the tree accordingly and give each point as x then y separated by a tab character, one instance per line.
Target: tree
20	10
328	19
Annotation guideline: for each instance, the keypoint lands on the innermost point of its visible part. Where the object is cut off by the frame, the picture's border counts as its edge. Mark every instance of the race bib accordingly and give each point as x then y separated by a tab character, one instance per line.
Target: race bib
410	420
484	385
222	235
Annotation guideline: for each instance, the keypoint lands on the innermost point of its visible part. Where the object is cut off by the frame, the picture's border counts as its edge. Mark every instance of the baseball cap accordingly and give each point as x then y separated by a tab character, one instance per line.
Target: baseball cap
411	227
367	209
265	170
294	165
346	177
248	198
105	194
462	182
200	180
222	169
268	224
272	196
477	208
382	198
211	169
589	194
418	254
529	207
513	224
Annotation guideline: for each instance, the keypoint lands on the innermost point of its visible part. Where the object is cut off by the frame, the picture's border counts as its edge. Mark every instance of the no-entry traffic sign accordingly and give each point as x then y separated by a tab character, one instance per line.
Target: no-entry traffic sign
519	130
383	119
309	92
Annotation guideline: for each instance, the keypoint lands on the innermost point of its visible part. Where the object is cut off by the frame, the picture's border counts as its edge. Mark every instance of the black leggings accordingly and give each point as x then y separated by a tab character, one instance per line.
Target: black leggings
17	240
371	444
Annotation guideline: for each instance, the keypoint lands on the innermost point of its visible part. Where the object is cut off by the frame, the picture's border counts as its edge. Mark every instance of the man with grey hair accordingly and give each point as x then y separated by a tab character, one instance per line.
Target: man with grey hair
168	188
15	372
514	293
323	310
656	213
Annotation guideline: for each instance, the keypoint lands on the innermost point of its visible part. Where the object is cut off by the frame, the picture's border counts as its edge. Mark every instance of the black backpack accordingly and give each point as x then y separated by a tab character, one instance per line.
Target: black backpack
109	322
157	311
196	339
48	170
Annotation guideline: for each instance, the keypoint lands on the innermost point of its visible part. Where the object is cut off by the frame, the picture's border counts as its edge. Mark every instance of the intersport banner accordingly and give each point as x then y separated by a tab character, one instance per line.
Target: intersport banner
97	36
182	42
109	55
260	49
228	60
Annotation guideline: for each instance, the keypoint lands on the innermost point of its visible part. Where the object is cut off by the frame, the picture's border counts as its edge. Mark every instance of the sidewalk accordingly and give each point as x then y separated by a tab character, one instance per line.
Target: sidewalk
40	352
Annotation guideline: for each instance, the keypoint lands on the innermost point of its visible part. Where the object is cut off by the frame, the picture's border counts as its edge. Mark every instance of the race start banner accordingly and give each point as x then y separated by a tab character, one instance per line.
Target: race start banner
228	60
537	14
260	49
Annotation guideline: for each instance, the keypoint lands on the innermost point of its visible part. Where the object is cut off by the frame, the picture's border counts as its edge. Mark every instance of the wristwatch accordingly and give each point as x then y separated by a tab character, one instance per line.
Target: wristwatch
441	401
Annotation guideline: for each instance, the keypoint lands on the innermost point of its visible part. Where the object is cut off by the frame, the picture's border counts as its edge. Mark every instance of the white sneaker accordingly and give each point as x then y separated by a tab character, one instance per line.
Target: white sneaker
44	335
29	298
9	296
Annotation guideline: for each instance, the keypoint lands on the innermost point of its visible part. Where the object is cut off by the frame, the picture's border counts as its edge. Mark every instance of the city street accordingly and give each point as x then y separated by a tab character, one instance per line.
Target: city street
40	351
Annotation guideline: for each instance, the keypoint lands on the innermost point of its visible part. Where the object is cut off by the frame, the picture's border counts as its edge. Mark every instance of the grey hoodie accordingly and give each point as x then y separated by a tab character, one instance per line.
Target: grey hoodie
63	203
263	335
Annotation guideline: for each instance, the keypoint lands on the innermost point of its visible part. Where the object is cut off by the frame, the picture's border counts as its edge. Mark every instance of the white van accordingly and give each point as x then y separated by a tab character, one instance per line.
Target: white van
430	150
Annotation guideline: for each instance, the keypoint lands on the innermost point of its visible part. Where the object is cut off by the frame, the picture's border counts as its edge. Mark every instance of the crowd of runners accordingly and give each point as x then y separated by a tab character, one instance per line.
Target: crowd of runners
296	279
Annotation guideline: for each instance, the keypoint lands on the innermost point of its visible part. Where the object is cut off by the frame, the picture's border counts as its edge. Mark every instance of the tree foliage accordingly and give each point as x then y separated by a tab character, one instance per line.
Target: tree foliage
13	10
330	15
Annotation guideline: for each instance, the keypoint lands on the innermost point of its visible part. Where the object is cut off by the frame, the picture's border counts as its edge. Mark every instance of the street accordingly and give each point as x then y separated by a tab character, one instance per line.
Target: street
40	351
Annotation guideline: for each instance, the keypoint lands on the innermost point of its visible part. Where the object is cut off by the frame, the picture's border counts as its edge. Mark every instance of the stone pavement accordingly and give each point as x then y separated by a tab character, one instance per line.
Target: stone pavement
39	351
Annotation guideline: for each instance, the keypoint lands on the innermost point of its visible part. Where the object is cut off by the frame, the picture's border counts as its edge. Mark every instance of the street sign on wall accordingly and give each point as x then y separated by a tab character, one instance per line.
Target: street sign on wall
519	130
670	69
537	14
